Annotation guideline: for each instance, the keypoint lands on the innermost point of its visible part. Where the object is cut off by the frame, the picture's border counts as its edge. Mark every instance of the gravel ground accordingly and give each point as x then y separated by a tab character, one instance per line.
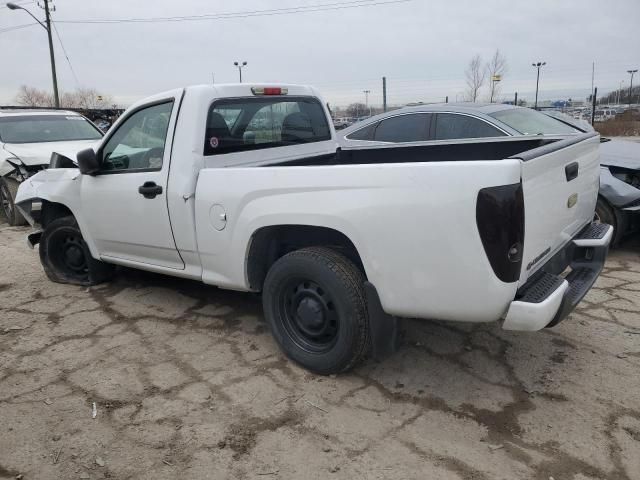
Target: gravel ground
188	383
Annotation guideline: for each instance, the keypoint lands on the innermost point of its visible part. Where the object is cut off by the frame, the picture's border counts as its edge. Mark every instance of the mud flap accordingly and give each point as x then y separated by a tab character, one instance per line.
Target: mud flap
34	238
382	326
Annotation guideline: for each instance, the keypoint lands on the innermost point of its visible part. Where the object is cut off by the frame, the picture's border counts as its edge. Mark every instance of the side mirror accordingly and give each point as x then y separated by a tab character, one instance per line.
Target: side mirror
88	162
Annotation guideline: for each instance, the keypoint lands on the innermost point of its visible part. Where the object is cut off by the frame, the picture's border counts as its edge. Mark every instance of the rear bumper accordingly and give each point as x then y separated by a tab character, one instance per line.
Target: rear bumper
547	298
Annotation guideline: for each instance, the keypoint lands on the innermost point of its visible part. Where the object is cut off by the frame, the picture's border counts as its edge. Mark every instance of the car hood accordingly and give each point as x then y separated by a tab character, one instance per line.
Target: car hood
40	153
620	153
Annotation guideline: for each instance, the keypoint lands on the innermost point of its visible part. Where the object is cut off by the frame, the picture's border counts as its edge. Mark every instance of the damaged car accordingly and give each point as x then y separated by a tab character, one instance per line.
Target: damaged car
619	199
28	137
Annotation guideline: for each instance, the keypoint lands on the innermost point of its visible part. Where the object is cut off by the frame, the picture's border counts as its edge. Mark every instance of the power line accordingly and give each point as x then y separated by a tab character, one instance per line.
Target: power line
64	50
17	27
244	14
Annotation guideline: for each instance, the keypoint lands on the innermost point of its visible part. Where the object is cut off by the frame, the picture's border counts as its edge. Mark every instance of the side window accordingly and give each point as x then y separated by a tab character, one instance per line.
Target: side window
450	126
138	144
365	133
411	127
236	125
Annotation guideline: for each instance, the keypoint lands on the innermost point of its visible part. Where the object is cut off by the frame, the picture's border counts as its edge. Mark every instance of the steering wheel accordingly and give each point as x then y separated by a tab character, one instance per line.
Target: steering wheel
153	157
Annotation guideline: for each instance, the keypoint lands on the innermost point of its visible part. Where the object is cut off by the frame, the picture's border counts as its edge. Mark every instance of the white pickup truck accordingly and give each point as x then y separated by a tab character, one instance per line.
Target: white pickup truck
244	187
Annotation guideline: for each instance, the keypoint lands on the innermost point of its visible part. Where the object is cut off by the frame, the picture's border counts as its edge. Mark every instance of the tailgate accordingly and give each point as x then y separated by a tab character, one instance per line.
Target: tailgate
560	184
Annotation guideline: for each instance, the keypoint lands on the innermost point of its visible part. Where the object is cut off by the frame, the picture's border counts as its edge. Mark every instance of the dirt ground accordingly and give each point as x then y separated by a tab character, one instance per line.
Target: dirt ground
188	384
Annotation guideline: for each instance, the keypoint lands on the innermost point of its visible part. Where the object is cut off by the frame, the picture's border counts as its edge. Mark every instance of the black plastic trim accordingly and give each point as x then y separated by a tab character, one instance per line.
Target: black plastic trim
554	147
383	327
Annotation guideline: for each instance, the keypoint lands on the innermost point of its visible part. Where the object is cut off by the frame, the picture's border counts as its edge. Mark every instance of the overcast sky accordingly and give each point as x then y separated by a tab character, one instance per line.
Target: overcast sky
422	47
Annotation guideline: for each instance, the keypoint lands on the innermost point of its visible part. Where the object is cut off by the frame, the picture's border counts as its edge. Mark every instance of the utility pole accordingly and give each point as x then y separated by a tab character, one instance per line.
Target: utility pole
47	27
446	99
593	104
384	94
538	66
366	100
631	72
47	14
515	100
593	75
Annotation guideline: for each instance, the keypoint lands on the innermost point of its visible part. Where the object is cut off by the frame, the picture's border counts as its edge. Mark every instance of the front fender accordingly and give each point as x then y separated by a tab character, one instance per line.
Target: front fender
615	191
53	185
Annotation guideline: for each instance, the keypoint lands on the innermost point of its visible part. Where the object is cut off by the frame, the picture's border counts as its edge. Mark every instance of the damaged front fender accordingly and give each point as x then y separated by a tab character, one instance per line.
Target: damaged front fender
53	185
615	191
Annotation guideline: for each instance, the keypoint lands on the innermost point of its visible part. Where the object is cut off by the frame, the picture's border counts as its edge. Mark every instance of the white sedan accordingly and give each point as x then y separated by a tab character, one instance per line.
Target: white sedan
28	138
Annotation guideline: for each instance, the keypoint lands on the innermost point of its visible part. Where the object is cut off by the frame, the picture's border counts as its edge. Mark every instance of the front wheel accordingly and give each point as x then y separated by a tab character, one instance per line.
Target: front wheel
66	258
314	303
8	191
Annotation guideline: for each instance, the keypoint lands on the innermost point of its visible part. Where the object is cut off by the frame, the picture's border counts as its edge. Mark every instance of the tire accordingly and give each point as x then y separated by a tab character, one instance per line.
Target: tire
8	190
314	303
66	258
605	213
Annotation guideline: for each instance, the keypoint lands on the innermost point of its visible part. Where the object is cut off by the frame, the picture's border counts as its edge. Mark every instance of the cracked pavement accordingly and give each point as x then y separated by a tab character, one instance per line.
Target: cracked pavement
188	383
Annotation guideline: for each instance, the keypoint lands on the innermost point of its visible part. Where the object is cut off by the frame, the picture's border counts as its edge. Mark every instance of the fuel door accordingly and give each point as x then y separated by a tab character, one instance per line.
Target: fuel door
218	217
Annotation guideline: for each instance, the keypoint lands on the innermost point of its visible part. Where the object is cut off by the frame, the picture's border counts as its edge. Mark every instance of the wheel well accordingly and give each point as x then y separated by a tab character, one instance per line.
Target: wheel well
52	210
268	244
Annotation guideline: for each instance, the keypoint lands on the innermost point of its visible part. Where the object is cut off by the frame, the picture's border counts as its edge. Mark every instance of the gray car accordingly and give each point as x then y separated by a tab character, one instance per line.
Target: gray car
619	197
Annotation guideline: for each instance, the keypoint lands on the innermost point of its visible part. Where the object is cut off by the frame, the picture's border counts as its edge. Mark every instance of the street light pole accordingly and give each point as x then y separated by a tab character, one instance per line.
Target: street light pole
538	66
631	72
47	27
366	100
619	96
240	65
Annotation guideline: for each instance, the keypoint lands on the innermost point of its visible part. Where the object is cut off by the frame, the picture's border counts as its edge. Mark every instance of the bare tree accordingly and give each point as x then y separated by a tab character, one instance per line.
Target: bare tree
84	98
32	97
496	69
475	76
357	109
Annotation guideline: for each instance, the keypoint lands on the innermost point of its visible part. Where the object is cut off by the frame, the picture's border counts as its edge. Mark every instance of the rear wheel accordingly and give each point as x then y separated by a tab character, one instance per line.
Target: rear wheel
66	257
8	191
605	213
314	302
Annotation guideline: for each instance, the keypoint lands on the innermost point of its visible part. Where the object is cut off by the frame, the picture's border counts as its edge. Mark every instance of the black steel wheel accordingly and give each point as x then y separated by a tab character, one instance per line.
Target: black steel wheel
308	314
8	190
314	303
67	253
66	257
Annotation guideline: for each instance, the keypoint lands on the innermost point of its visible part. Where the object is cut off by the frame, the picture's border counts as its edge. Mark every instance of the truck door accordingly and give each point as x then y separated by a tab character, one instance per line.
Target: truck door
125	204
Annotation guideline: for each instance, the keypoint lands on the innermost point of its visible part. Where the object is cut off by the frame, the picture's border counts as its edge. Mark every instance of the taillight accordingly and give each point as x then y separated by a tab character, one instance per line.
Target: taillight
500	219
269	90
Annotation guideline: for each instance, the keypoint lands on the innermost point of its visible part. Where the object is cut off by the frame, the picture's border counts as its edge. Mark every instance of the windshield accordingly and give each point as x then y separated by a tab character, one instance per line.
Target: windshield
46	128
531	122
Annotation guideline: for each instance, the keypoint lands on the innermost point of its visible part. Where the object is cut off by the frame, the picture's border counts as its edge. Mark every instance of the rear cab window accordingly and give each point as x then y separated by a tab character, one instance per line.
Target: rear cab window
242	124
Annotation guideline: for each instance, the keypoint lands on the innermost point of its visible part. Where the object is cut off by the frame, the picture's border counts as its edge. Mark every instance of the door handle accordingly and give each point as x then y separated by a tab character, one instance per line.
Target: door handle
571	171
150	190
